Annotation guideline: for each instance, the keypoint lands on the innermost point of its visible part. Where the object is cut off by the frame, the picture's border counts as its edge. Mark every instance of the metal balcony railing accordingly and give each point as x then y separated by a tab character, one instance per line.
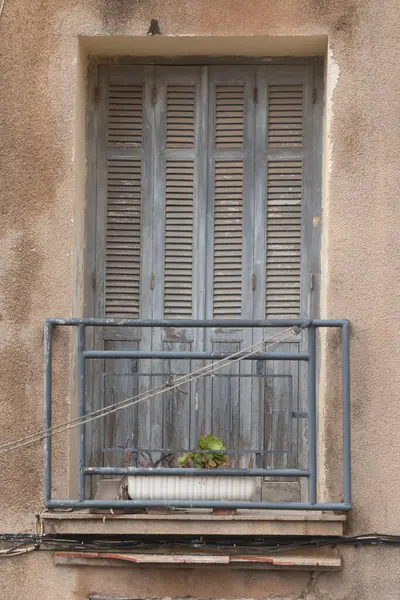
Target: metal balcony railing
254	456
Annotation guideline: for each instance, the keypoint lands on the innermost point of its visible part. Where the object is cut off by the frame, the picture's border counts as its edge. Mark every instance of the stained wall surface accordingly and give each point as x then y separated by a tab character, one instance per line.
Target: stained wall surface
44	48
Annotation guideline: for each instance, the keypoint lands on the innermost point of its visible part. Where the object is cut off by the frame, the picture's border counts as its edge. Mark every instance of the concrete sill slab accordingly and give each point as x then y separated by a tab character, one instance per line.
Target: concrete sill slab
261	523
321	559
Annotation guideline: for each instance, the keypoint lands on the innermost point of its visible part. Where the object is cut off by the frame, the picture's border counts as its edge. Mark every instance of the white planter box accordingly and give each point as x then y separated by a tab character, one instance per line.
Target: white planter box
194	487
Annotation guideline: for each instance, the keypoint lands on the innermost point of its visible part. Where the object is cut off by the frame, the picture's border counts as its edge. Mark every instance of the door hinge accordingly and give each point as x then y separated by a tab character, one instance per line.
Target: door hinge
154	96
96	94
299	415
152	281
94	280
311	281
260	367
255	95
314	95
253	282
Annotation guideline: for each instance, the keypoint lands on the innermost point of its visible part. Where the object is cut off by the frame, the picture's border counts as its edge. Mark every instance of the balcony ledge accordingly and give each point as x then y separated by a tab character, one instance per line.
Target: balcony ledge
200	522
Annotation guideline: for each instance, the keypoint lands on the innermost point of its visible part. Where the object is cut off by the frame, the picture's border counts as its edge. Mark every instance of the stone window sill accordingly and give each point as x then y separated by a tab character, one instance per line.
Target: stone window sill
197	522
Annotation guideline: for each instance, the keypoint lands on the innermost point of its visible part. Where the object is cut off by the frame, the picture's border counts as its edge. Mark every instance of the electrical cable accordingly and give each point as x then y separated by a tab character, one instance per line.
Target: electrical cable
28	542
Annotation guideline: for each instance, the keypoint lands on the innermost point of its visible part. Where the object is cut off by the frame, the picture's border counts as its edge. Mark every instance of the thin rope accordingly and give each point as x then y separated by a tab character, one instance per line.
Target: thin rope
28	440
127	402
162	388
145	395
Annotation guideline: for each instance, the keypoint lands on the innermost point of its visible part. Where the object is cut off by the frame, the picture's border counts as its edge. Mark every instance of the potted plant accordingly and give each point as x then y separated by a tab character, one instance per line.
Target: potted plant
210	454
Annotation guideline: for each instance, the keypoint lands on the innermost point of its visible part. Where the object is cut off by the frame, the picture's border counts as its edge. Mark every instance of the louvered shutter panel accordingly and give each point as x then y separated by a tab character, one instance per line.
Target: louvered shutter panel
121	173
283	239
284	202
123	210
178	261
228	239
125	114
285	116
230	172
284	131
123	218
179	200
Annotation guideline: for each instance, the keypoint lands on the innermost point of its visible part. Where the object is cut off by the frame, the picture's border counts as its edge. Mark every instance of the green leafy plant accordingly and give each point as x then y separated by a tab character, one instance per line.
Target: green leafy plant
212	454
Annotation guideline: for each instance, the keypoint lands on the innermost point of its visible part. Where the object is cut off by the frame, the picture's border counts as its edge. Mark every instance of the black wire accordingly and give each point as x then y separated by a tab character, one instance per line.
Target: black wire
101	544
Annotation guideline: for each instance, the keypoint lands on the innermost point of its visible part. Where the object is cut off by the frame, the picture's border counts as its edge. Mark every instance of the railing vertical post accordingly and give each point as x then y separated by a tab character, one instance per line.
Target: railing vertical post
196	414
346	414
81	412
47	412
312	415
260	459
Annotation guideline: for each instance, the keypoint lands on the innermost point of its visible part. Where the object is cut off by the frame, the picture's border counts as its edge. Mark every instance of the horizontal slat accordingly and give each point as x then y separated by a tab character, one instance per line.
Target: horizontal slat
123	230
125	115
283	245
178	245
285	116
228	239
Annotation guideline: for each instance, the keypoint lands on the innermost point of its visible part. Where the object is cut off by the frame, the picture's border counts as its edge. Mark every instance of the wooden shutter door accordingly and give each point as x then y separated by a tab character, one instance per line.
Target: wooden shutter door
123	253
229	410
179	242
284	243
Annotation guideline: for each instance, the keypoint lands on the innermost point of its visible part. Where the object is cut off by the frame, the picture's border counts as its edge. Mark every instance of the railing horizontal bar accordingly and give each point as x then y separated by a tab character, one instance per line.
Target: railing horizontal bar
107	504
329	322
223	323
184	450
198	472
141	354
215	374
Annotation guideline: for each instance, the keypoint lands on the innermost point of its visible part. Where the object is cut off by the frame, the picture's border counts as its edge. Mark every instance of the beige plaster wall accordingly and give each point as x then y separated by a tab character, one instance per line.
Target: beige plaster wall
43	47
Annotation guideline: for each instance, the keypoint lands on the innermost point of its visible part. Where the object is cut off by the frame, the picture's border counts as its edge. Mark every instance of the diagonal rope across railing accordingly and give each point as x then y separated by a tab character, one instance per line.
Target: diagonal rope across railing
207	370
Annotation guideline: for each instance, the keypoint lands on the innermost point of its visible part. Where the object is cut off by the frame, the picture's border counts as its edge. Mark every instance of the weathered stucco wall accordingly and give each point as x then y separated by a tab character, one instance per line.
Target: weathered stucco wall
42	174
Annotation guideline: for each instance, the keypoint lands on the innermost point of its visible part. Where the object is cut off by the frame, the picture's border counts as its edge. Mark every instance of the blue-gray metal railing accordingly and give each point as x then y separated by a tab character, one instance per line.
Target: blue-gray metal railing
310	357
